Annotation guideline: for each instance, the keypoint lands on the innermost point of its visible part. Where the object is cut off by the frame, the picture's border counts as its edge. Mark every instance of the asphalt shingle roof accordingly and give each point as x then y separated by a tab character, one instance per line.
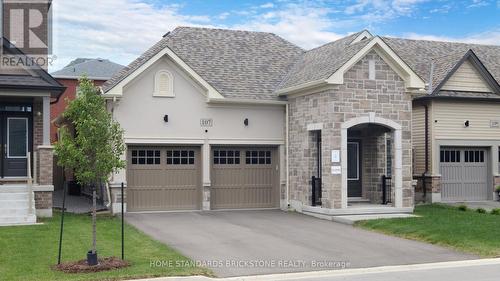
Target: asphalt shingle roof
238	64
419	54
322	62
98	69
254	65
23	80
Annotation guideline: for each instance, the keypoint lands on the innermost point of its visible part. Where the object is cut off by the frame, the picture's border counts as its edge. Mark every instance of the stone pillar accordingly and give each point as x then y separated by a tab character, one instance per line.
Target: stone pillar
432	186
45	165
496	182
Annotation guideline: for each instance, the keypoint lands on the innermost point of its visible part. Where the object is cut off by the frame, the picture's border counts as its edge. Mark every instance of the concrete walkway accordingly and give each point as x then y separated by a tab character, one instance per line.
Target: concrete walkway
236	243
74	204
487	205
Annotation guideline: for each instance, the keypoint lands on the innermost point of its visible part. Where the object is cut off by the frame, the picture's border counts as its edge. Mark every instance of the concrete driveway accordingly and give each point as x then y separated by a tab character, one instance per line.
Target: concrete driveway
234	243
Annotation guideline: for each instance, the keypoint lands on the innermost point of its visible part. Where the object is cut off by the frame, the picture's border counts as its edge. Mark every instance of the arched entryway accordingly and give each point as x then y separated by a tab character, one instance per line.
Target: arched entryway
371	147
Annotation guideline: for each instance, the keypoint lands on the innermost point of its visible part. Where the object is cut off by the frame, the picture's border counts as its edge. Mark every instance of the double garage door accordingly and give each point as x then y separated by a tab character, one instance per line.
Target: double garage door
464	174
169	178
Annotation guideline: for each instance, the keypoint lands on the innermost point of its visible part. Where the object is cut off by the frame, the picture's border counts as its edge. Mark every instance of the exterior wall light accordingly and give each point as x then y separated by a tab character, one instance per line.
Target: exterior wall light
245	122
466	124
165	118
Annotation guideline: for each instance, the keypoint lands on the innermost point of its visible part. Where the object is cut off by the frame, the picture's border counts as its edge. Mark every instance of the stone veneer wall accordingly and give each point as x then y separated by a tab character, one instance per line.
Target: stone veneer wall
355	98
432	186
373	165
44	163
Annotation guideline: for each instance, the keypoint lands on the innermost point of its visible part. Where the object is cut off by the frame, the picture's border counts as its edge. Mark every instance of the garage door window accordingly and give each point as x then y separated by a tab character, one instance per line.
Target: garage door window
180	157
259	157
474	156
146	157
450	156
226	157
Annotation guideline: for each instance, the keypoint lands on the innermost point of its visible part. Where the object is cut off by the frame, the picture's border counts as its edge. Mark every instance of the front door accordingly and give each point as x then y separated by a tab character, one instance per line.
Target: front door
14	143
354	169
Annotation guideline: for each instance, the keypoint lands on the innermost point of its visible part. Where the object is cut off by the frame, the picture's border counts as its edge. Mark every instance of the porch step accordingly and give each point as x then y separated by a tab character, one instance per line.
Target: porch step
14	206
355	200
13	188
351	219
370	209
17	220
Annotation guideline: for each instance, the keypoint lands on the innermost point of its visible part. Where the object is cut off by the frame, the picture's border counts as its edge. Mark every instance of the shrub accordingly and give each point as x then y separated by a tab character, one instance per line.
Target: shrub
481	210
462	208
495	211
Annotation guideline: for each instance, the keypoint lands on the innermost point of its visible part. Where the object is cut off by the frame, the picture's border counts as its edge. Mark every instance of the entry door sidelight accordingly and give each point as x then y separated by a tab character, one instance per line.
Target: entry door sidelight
354	169
15	142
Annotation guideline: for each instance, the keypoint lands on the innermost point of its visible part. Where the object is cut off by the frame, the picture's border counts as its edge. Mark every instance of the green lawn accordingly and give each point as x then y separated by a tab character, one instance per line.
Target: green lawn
28	252
466	231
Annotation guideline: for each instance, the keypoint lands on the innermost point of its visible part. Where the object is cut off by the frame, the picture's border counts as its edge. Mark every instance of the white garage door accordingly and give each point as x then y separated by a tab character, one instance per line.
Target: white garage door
464	174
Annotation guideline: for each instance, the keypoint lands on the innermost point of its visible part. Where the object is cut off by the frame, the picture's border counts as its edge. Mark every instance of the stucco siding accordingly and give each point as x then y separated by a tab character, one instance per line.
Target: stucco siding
450	117
466	78
141	114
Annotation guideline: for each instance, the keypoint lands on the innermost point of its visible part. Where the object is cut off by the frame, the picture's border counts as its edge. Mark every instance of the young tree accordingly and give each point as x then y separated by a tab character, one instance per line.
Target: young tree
94	151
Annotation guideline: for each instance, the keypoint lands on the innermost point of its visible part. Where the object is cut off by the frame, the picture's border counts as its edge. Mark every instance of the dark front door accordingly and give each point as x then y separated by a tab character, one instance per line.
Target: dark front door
354	169
15	141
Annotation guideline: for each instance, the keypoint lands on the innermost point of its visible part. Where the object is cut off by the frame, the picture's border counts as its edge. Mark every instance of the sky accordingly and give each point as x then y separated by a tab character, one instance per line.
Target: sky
120	30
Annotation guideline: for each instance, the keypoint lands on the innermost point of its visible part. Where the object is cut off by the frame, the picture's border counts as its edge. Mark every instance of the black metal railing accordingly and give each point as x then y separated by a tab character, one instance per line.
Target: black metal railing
386	190
316	191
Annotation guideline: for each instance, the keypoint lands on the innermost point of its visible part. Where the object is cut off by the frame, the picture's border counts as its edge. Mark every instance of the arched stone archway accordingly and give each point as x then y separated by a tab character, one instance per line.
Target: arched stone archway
398	154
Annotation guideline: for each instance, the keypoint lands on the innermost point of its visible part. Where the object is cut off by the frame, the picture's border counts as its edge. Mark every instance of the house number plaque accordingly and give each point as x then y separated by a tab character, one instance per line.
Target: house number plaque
206	122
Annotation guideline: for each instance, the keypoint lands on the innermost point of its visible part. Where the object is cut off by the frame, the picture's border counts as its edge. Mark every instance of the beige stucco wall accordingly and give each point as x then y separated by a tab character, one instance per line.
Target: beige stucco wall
141	116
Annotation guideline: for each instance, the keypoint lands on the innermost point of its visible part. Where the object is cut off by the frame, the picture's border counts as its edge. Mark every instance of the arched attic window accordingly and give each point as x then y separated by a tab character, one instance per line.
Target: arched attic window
164	84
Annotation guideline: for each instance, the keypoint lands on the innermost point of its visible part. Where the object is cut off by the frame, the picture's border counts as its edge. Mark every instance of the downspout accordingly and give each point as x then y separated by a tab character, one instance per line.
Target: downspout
287	157
108	193
426	152
426	134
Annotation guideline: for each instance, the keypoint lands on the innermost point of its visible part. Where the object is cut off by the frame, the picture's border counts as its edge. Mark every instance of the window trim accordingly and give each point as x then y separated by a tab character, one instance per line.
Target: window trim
169	92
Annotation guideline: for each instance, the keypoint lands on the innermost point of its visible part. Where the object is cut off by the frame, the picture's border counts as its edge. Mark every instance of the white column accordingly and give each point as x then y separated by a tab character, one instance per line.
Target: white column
46	120
398	169
206	175
343	162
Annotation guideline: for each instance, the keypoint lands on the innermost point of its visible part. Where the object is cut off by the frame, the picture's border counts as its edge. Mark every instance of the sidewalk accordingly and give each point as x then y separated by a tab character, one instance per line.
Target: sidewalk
477	270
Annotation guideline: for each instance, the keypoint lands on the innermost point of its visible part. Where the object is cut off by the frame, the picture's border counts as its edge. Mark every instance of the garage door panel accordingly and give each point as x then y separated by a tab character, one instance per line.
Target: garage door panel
464	174
163	186
252	183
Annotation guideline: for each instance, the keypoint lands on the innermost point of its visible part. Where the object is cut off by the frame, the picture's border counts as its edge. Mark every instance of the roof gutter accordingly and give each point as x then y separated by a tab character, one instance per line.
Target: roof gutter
301	87
245	101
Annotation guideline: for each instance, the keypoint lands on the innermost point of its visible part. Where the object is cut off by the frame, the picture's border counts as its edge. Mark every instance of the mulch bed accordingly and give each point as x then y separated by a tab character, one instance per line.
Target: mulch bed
81	266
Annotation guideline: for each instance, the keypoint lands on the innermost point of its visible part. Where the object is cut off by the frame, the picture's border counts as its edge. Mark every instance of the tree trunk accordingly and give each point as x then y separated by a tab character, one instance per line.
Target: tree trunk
94	217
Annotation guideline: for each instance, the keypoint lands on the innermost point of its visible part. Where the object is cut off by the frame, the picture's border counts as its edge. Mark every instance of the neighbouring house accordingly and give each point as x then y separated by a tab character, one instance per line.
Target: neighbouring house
226	119
26	164
98	70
